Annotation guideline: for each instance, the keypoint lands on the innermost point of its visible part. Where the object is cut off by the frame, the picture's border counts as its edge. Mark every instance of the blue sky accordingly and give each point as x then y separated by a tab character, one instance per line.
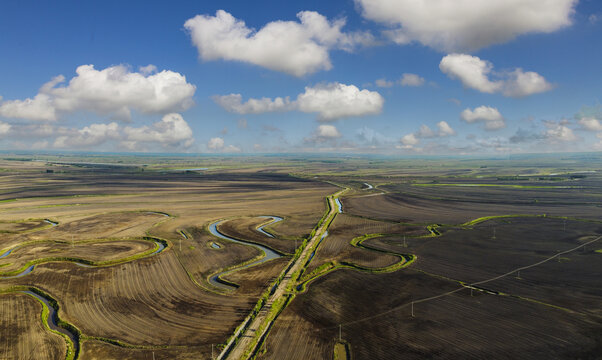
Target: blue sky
482	76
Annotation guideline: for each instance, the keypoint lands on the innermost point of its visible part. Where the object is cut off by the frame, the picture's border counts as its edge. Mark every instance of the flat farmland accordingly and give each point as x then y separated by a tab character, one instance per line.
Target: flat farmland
375	314
337	246
246	228
455	202
474	254
123	302
458	260
137	301
462	229
22	334
99	251
12	227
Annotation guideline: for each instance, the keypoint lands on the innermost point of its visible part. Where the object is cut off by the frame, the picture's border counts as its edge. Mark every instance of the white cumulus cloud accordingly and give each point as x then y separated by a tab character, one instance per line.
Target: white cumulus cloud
590	123
560	133
335	100
234	103
92	135
475	73
471	71
218	144
215	143
330	101
408	79
324	133
425	132
490	116
4	128
112	91
328	131
445	129
296	48
171	132
521	84
466	25
40	108
410	140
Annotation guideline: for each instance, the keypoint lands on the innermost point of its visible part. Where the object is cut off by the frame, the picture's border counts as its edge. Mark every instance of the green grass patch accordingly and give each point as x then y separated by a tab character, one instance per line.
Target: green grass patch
493	217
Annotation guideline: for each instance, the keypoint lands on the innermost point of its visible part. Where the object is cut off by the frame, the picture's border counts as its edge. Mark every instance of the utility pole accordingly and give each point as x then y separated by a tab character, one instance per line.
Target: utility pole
340	332
153	355
412	309
211	351
404	242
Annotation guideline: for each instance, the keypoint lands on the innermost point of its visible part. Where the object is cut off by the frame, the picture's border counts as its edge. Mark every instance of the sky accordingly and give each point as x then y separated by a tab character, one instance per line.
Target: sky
402	77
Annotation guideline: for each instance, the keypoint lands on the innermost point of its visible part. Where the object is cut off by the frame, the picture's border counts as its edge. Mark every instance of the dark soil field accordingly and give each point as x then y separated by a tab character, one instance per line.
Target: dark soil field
375	313
455	202
551	310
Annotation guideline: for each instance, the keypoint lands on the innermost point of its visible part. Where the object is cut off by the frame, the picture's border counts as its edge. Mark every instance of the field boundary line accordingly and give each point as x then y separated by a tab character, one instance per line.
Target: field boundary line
463	287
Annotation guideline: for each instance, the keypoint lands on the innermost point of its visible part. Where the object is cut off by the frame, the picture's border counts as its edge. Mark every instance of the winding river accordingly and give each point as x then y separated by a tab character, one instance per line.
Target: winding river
275	219
160	247
52	320
270	254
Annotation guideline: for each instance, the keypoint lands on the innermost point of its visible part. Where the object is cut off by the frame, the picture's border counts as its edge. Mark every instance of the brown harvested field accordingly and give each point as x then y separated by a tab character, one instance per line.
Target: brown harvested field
201	260
22	334
101	251
256	279
378	324
146	302
246	228
11	227
75	228
162	300
99	350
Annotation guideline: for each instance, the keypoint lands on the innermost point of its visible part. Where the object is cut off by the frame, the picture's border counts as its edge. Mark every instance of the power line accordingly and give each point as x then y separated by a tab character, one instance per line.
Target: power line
517	270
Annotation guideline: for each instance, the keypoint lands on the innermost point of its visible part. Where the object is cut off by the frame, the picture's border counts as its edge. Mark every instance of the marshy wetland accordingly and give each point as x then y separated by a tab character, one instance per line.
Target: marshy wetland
287	258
